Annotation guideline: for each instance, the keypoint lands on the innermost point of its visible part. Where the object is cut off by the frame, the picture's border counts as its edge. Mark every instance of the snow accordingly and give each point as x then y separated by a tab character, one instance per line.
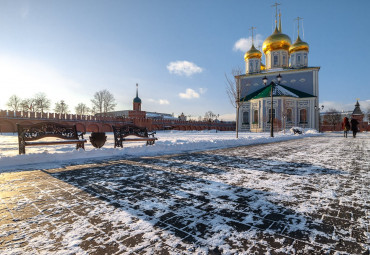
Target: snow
271	198
169	142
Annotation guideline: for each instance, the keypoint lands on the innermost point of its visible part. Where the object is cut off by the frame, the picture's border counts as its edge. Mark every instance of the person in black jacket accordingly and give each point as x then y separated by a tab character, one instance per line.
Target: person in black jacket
345	126
354	124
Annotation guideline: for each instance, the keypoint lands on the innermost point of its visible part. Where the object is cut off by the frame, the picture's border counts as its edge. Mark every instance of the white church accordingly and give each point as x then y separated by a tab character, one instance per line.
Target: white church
295	85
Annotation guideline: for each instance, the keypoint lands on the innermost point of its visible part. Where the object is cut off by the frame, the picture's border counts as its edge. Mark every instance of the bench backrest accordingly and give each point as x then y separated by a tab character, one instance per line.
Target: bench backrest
127	130
46	129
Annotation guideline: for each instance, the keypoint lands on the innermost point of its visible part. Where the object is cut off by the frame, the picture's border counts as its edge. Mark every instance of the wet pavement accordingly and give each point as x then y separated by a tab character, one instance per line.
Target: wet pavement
307	196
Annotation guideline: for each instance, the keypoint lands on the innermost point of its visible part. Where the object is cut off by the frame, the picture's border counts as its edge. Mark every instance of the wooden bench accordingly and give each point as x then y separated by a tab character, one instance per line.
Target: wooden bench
121	135
28	134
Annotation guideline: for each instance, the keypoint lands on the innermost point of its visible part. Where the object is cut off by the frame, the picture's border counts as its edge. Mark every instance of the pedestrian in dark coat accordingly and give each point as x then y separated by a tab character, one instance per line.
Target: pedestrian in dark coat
354	124
345	126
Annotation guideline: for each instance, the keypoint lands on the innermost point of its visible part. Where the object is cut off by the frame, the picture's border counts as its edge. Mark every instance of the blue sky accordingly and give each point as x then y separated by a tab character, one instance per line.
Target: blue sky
178	51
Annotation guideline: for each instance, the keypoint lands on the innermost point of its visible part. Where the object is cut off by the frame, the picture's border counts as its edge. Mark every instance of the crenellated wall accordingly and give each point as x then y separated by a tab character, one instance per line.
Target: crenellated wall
91	123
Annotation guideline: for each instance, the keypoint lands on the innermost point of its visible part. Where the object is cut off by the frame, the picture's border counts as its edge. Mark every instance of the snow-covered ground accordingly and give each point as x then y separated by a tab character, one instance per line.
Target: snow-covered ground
169	142
303	196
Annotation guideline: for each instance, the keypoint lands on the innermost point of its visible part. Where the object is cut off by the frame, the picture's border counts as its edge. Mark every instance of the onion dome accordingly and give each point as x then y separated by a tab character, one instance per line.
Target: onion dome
137	100
252	53
276	41
298	45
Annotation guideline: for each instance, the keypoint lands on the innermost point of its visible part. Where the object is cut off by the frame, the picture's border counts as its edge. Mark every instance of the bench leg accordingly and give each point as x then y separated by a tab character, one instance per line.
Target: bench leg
22	149
80	145
149	143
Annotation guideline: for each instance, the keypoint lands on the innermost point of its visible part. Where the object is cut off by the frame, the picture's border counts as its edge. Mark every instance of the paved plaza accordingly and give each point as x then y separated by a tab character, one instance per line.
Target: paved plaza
306	196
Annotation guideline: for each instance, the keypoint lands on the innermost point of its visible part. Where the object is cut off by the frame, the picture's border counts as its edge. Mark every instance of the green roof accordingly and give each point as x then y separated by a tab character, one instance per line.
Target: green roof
279	91
137	100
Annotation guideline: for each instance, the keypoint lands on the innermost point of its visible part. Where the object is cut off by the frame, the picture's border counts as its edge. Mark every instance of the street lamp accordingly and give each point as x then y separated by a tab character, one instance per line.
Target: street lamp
264	79
317	108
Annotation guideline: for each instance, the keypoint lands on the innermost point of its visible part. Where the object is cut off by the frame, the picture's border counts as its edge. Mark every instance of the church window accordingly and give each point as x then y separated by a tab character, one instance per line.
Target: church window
289	114
305	58
255	117
245	117
276	59
298	59
303	116
284	59
273	115
251	66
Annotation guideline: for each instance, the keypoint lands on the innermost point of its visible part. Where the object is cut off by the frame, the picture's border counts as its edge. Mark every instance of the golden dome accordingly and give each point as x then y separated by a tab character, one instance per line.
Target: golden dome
252	53
298	45
276	41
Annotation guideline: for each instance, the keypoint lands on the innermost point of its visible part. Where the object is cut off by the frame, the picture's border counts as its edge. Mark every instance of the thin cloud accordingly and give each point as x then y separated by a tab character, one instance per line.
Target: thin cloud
159	101
202	90
244	44
189	94
183	68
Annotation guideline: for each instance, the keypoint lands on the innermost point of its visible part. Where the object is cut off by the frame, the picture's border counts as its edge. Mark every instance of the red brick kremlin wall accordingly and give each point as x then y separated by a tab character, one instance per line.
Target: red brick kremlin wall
363	125
90	123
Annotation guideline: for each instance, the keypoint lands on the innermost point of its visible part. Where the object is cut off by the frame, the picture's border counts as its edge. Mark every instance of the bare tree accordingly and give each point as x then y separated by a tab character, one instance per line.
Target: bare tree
103	101
82	109
332	117
93	110
234	92
98	101
28	105
61	107
109	102
42	103
14	103
209	116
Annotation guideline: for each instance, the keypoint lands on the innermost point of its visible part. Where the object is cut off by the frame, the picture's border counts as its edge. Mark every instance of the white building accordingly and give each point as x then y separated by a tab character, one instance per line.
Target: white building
295	97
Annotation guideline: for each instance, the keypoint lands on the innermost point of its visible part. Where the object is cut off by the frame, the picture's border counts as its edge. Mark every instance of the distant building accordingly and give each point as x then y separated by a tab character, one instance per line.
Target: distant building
355	114
136	111
295	96
182	117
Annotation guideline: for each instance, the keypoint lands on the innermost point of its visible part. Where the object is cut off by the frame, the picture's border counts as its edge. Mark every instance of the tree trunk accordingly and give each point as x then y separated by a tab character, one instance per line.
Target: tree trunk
237	120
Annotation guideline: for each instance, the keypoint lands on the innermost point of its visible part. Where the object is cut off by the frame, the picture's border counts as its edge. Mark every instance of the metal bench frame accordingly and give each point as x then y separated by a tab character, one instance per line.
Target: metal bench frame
141	133
28	134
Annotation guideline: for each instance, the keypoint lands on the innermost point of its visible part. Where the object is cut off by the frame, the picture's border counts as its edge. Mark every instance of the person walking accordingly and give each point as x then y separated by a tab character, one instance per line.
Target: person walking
354	124
345	126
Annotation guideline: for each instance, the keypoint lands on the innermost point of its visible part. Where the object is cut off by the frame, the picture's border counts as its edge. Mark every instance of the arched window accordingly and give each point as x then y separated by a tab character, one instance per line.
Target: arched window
298	59
255	117
251	66
303	116
284	59
276	60
245	117
289	115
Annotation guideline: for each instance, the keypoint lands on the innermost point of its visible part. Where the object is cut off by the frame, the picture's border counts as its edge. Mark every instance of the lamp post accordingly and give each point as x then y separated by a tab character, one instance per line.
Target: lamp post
317	108
264	79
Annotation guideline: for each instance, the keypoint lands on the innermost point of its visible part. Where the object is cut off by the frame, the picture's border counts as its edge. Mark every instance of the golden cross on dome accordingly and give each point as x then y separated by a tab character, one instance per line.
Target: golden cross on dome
276	14
357	99
252	28
297	19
